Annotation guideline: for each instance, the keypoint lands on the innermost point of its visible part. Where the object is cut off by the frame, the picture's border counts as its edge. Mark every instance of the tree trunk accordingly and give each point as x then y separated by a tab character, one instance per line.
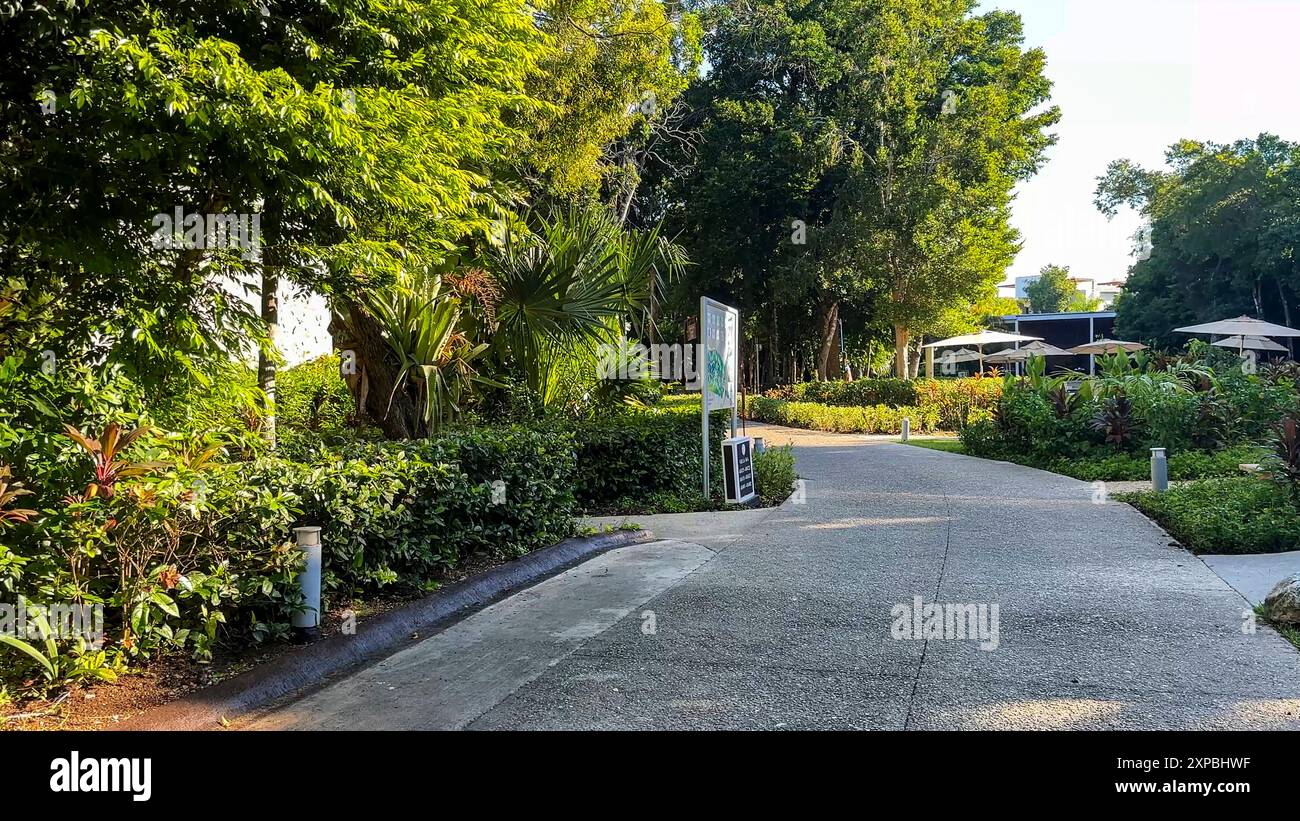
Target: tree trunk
827	361
1286	317
271	252
372	385
900	351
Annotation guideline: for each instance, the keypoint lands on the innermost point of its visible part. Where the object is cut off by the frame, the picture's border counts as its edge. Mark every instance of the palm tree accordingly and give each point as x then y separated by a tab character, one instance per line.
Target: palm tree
568	287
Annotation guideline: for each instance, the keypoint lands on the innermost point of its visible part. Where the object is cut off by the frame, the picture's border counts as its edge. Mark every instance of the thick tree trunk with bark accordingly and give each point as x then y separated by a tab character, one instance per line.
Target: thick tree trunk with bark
827	360
900	351
376	373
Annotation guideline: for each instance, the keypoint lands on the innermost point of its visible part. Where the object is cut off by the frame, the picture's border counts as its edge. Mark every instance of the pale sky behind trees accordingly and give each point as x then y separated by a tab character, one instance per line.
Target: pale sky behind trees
1132	77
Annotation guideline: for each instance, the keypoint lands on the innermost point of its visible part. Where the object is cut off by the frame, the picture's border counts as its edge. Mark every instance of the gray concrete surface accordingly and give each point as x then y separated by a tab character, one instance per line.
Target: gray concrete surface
1102	623
715	529
449	679
1254	576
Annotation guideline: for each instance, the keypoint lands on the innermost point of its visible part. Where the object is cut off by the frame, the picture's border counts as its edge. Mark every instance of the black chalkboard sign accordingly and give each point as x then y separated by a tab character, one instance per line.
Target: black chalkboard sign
738	464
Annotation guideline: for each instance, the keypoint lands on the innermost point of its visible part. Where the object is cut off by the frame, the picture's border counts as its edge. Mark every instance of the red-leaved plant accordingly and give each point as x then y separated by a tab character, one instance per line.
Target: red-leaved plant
9	491
1286	452
109	469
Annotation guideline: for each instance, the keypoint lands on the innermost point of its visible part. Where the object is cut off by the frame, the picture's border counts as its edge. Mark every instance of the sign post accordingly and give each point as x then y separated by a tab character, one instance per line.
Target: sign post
719	347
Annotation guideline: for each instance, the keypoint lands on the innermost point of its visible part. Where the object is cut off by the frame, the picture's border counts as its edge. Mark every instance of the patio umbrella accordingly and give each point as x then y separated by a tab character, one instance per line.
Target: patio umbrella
979	340
1241	327
1250	343
1038	348
1107	346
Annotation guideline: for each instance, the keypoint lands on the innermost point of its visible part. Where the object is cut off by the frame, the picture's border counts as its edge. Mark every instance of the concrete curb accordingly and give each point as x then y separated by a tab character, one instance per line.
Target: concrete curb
375	639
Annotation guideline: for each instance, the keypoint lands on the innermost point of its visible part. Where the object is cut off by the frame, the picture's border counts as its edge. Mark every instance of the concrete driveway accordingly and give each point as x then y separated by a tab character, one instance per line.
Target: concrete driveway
802	620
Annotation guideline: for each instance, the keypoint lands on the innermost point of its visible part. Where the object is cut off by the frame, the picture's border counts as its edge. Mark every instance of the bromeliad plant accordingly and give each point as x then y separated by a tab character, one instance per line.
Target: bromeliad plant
421	322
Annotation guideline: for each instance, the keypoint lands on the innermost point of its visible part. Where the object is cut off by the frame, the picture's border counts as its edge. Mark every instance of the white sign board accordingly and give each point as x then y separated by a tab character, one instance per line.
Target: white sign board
720	350
721	334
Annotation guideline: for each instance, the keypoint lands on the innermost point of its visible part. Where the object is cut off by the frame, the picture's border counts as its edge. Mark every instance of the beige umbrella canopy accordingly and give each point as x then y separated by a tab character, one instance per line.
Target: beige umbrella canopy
1240	327
1021	354
979	340
961	355
1249	343
1107	346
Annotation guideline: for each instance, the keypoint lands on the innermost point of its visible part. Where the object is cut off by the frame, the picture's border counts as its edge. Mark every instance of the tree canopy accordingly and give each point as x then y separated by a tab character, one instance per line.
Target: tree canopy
1225	222
856	158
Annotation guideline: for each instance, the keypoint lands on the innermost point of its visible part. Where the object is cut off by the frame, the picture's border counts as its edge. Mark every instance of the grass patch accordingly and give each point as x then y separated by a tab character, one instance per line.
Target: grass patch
946	445
1246	515
1288	631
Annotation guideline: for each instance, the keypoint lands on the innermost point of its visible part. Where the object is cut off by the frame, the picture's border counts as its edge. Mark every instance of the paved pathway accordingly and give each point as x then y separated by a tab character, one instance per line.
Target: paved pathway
1101	624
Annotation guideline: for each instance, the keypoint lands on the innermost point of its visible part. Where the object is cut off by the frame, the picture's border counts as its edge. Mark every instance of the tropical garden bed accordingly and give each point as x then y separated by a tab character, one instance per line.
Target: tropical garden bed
1209	415
200	530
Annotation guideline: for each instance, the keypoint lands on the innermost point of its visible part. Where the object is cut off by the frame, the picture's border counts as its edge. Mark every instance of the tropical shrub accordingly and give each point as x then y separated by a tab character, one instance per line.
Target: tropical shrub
566	288
1284	462
774	473
313	406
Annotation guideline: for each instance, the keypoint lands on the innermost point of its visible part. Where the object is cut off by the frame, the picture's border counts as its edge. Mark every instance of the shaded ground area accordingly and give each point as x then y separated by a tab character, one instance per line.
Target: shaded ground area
1102	624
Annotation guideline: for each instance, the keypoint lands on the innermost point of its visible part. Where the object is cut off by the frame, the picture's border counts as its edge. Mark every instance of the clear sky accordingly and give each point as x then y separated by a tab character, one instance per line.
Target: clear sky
1132	77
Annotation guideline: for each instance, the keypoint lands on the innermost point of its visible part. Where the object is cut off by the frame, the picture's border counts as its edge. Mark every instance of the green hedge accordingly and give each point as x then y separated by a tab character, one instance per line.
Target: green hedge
645	460
312	406
953	402
1246	515
835	419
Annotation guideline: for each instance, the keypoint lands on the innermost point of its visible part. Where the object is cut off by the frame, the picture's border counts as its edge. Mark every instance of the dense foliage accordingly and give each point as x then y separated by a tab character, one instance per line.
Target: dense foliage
1224	222
951	403
1200	407
1241	515
854	159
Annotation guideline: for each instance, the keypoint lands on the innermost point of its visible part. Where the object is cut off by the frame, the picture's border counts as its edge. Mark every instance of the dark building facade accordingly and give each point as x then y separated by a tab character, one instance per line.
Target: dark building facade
1065	331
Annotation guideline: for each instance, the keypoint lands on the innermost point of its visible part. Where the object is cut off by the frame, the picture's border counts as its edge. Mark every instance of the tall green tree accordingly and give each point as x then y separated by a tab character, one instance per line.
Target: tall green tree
1052	292
359	132
1224	227
858	156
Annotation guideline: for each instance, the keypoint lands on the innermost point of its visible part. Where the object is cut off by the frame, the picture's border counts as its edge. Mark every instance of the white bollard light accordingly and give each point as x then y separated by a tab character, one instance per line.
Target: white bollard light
306	623
907	428
1159	470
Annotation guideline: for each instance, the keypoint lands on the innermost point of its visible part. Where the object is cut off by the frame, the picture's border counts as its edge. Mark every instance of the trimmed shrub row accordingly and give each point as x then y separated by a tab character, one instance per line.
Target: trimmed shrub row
836	419
951	401
1246	515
